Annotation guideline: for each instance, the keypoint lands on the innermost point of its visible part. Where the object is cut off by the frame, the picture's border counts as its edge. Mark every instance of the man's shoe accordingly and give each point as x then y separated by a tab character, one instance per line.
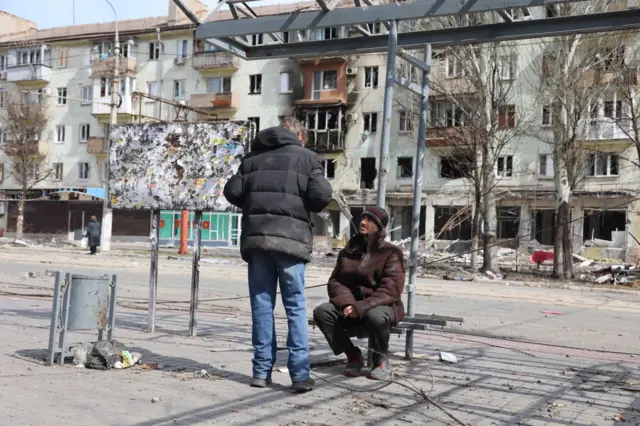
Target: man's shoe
355	361
260	383
303	386
381	371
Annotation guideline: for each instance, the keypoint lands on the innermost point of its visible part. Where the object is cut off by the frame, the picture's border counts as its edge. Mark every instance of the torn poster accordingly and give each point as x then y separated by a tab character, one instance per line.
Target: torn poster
175	166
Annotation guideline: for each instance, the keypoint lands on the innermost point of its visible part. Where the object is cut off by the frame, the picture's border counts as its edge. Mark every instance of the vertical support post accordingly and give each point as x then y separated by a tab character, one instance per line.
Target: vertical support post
417	198
153	272
184	232
386	114
107	213
195	274
65	306
112	307
55	314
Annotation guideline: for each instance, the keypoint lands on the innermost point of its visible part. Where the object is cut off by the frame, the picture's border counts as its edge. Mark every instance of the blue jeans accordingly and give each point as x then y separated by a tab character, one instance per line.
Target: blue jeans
265	269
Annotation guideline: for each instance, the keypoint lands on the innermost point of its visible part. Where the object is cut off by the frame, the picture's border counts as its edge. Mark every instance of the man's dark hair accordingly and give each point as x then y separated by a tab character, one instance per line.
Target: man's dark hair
295	126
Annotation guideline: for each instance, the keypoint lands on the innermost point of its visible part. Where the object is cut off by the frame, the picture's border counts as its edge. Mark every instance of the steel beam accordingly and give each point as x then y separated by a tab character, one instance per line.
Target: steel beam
518	30
409	85
419	9
412	60
193	18
249	13
505	15
327	6
417	197
229	46
215	9
387	111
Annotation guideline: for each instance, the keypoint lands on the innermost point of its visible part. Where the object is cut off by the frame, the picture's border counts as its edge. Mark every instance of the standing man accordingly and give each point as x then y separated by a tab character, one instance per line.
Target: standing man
93	234
277	186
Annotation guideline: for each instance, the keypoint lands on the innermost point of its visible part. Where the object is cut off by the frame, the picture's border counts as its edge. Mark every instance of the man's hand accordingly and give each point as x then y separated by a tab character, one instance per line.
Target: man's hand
350	312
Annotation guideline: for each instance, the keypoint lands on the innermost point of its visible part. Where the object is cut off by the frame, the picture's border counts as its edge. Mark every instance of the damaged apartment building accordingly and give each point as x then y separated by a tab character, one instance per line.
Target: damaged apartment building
340	101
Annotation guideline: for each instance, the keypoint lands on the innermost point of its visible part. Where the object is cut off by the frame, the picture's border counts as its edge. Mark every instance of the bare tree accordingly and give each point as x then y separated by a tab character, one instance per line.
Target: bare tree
624	79
23	124
570	89
475	107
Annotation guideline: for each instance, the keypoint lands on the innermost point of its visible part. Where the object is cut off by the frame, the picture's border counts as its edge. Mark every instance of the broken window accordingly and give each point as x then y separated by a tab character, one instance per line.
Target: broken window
506	67
371	77
370	122
257	39
613	109
311	120
405	122
545	165
456	167
504	166
445	114
507	117
255	84
449	224
508	222
600	224
603	164
405	167
547	115
368	172
256	121
329	166
543	226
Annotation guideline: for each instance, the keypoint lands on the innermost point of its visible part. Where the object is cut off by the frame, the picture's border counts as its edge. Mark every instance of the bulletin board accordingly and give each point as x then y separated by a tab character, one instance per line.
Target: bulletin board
175	166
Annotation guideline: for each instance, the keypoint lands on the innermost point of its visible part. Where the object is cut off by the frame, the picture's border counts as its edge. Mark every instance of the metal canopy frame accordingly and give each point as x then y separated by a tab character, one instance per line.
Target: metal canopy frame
224	35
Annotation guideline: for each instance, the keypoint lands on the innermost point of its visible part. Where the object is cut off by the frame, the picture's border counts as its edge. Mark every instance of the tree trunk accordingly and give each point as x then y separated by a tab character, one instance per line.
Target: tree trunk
489	213
20	221
567	249
558	271
562	242
476	224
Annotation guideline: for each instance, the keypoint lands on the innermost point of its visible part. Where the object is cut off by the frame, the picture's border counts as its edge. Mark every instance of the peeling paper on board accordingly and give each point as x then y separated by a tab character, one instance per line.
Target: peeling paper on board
175	166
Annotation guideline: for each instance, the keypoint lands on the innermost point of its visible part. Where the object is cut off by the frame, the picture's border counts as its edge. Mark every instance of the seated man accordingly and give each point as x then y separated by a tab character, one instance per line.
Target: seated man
365	288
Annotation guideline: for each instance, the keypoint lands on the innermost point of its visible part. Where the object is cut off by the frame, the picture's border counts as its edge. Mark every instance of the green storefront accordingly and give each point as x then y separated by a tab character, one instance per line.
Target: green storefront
218	229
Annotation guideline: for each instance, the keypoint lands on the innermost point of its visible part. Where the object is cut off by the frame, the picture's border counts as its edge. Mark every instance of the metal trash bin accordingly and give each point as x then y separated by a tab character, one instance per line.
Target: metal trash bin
81	302
88	302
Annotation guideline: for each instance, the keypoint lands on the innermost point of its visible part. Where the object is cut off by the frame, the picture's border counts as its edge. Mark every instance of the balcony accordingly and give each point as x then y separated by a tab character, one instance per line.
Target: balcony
325	142
27	149
215	61
31	73
605	130
104	67
217	101
97	146
102	105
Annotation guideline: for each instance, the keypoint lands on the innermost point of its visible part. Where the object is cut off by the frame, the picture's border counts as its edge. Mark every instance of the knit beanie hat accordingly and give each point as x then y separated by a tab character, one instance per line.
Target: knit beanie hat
378	215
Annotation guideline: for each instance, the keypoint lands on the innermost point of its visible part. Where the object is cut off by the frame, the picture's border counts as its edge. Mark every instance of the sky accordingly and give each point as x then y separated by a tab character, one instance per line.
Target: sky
56	13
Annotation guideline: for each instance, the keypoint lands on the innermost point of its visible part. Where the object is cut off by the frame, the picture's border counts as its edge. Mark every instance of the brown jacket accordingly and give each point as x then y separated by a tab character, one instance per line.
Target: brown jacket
368	275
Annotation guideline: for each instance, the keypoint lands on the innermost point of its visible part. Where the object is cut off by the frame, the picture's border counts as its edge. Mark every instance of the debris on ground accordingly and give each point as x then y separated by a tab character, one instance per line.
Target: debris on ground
155	399
104	355
448	358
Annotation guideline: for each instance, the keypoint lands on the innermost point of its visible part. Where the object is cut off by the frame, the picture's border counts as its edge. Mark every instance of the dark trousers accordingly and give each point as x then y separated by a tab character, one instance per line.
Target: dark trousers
94	249
378	322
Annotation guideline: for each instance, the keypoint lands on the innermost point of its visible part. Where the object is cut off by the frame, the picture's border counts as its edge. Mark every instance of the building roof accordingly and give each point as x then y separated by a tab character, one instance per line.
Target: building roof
143	25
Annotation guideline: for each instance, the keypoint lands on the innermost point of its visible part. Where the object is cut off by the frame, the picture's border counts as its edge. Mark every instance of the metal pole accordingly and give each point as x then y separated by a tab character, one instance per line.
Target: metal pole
417	198
112	306
55	313
107	214
153	275
195	274
184	232
386	114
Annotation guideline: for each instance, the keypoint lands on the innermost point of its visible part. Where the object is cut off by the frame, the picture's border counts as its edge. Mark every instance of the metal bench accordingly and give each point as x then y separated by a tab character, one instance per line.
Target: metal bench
417	322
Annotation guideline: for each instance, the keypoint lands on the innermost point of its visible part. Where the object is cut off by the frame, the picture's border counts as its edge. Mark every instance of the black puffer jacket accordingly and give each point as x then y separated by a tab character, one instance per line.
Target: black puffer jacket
277	185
